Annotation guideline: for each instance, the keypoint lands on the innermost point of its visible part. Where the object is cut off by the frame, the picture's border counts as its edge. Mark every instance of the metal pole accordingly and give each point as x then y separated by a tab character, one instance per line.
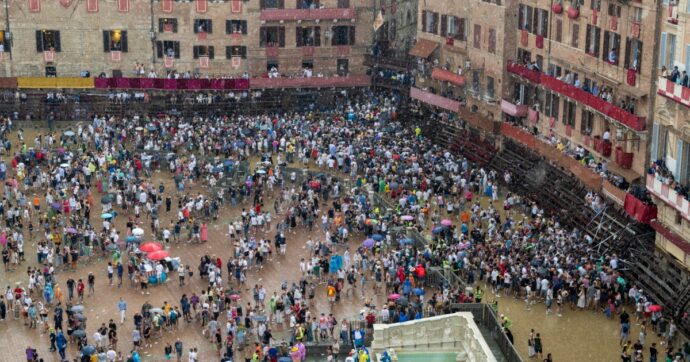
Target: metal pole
152	34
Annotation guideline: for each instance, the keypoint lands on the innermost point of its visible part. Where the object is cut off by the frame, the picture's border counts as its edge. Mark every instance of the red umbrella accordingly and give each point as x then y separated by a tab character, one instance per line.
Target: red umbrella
158	255
394	296
655	308
150	246
234	297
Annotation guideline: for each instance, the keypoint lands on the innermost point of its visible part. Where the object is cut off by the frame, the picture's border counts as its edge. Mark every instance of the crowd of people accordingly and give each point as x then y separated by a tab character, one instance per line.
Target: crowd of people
506	243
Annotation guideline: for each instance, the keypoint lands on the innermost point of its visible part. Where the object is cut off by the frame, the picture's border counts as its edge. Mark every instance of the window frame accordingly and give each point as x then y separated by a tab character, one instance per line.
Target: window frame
56	45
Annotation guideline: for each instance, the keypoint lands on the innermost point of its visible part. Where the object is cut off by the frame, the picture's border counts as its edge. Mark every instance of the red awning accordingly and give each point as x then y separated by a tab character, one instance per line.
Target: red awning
674	238
423	48
448	76
513	110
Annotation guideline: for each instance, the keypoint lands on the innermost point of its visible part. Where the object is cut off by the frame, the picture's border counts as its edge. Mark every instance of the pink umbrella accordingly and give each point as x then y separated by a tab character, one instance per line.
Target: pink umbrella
150	246
234	297
407	218
394	296
655	308
446	222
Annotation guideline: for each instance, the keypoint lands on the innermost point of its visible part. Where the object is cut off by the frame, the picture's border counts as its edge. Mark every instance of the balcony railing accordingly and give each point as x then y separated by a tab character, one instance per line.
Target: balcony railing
308	14
313	82
609	110
671	90
668	195
401	62
434	100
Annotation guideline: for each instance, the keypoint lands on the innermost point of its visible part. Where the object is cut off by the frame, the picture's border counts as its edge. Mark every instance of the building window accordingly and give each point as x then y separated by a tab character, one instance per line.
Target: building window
524	17
592	40
611	47
272	4
203	26
667	51
477	36
633	54
457	28
272	65
308	36
4	42
614	10
596	5
343	4
48	40
575	40
343	35
236	51
587	123
236	27
476	82
637	14
168	48
203	51
489	87
272	36
392	29
551	105
430	22
167	25
115	40
307	4
541	22
343	67
492	41
569	113
524	55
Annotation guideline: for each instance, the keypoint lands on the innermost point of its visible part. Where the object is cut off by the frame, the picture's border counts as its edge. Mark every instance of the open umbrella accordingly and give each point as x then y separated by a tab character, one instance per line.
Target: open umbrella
79	333
106	199
156	310
80	317
132	239
438	229
377	237
446	222
369	243
418	291
112	247
158	255
139	128
77	308
407	218
106	216
406	241
402	301
150	247
394	296
88	350
69	133
655	308
261	172
72	231
137	231
234	297
64	165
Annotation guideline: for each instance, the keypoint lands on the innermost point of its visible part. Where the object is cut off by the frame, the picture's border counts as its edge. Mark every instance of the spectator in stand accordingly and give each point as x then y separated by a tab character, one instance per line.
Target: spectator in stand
684	81
675	74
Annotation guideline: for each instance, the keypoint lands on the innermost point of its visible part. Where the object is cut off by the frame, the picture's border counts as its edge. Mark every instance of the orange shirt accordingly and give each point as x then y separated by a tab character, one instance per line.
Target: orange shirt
37	201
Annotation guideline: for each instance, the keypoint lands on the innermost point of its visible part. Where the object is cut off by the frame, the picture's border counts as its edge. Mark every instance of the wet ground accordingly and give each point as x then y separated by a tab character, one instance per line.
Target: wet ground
577	336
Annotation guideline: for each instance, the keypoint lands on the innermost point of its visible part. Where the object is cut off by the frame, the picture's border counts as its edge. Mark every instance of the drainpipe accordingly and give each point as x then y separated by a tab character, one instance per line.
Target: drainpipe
152	34
7	29
655	74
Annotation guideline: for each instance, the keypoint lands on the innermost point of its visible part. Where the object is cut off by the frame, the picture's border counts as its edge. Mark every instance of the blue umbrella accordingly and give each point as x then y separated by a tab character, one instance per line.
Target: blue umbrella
132	239
438	229
377	237
369	243
406	241
418	291
228	162
106	216
88	350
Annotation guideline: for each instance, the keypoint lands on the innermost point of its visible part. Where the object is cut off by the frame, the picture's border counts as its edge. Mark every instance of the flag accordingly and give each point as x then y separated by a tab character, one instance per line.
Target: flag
236	6
92	6
201	6
236	62
167	6
35	6
49	56
203	62
115	56
123	6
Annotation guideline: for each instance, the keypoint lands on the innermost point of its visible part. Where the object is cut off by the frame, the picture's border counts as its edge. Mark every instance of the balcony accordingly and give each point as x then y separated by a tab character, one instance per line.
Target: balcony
513	109
609	110
448	76
668	195
671	90
308	14
313	82
434	100
401	62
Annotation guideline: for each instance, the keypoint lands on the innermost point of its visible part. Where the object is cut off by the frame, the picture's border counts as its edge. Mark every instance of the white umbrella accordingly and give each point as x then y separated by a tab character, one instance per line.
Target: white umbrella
138	232
64	165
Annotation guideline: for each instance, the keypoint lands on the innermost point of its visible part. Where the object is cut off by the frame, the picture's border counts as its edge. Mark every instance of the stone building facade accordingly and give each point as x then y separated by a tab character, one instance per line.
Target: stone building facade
236	36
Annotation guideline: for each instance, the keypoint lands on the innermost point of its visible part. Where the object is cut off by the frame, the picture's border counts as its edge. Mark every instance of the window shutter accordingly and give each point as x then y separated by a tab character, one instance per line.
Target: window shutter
39	41
521	16
228	26
262	4
605	52
160	25
435	25
628	45
106	41
195	52
444	25
281	36
545	24
209	26
56	36
243	24
262	37
228	52
123	41
298	36
535	21
159	49
679	159
424	21
281	4
559	30
351	33
662	50
174	25
317	36
588	39
528	19
196	26
687	58
176	49
638	54
211	52
672	50
575	41
655	142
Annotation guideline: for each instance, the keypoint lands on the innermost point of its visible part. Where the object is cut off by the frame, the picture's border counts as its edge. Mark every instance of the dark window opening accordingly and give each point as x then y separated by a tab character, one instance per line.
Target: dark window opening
48	40
114	40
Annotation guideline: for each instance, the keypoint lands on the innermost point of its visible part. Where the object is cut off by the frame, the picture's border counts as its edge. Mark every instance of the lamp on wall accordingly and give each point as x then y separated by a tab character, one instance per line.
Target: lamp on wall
117	35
